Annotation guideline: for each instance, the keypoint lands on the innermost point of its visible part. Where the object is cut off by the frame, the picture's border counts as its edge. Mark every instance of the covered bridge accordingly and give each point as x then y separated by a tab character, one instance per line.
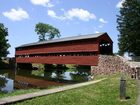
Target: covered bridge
79	50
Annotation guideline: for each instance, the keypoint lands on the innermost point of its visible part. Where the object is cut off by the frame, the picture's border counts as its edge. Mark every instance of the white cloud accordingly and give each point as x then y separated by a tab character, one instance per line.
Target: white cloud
42	3
97	32
51	13
80	14
16	14
50	5
119	4
103	21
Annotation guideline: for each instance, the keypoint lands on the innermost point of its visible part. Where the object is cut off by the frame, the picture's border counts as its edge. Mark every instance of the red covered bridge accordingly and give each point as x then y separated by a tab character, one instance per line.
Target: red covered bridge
79	50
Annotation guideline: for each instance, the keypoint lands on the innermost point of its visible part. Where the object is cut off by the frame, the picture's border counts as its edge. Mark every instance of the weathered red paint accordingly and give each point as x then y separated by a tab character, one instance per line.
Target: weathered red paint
79	60
72	46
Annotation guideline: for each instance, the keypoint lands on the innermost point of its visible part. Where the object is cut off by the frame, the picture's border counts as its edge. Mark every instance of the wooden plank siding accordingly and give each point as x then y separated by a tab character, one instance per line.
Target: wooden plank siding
73	46
79	60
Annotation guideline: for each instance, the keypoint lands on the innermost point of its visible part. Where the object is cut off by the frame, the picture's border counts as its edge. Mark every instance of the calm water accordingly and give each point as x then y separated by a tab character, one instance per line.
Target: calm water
11	80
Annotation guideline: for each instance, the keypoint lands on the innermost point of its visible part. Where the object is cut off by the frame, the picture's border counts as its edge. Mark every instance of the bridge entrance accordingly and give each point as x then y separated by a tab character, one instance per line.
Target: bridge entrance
105	47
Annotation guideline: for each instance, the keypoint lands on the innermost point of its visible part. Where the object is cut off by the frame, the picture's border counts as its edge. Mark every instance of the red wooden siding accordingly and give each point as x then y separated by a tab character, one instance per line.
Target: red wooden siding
79	60
78	46
81	52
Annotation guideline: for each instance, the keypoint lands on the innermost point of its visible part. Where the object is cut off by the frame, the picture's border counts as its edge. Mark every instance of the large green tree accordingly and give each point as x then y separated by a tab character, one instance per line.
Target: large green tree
46	31
4	45
129	28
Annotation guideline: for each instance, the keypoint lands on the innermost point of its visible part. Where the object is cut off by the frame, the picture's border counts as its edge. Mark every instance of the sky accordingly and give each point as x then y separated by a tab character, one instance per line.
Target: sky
71	17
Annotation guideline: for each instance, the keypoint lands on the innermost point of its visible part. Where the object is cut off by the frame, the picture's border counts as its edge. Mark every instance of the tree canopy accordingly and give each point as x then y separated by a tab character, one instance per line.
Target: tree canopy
46	31
3	82
129	28
4	45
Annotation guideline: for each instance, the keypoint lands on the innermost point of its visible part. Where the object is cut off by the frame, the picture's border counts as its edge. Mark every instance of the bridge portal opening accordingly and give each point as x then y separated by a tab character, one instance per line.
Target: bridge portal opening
105	47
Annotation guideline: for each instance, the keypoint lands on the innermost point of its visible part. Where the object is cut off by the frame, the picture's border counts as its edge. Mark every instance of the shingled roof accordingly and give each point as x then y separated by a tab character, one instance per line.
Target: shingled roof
79	37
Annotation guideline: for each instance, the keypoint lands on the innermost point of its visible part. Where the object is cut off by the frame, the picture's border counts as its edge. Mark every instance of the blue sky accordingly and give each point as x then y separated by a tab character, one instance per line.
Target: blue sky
71	17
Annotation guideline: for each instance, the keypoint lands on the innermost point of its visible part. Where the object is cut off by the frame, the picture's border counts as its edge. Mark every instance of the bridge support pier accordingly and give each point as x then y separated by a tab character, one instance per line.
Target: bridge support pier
92	70
24	66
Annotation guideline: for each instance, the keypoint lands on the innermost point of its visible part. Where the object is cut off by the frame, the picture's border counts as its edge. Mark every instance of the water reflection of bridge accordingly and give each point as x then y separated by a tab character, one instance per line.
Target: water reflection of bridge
19	80
25	79
30	82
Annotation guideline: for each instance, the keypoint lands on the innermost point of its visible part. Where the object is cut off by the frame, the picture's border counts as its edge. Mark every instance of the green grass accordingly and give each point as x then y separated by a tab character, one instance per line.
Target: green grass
103	93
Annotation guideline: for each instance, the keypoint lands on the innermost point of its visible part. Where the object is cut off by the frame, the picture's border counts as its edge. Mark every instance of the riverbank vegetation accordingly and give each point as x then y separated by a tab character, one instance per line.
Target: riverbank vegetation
4	45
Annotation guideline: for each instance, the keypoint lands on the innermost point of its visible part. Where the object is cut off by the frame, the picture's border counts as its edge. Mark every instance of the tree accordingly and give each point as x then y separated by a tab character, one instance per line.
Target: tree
3	82
4	45
46	30
129	28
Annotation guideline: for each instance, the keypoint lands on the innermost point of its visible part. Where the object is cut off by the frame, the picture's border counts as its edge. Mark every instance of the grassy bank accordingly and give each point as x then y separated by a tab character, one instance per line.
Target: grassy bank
103	93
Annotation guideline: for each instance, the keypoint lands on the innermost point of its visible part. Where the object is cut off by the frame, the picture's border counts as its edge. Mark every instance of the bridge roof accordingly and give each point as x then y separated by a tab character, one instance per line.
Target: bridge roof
79	37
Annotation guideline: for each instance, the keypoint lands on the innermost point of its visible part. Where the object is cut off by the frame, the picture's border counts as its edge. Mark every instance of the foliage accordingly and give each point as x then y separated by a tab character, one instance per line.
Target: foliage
103	93
4	45
38	72
46	30
129	28
3	82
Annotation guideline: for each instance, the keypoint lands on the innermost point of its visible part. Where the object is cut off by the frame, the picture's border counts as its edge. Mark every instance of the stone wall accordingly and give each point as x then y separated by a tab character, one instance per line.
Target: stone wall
109	64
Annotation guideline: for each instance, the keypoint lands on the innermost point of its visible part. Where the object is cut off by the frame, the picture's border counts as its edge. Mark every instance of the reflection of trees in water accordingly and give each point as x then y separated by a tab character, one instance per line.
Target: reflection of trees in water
78	78
58	70
8	73
59	73
77	74
3	82
80	75
83	71
24	72
48	74
5	75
